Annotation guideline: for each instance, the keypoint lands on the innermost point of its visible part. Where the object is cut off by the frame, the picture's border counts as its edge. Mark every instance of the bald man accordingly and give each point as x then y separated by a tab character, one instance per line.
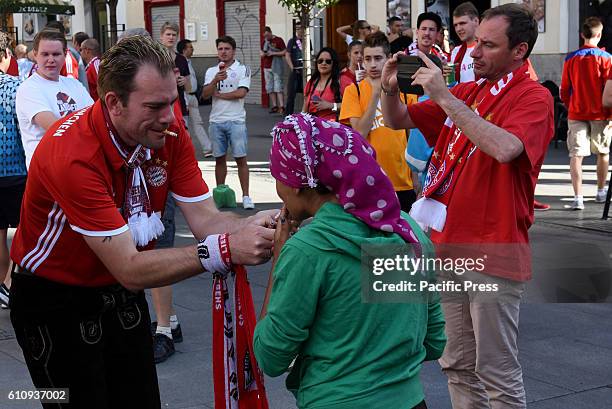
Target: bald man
90	52
25	65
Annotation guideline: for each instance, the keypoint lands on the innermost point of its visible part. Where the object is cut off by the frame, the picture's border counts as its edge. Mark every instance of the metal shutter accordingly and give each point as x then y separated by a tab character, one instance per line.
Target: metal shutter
159	15
242	24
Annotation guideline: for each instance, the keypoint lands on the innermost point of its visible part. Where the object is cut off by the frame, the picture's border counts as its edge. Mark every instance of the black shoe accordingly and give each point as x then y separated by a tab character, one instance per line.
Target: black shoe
177	334
163	348
4	295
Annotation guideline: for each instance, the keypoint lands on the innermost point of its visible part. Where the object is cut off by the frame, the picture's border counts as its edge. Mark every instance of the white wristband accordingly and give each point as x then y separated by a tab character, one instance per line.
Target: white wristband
210	255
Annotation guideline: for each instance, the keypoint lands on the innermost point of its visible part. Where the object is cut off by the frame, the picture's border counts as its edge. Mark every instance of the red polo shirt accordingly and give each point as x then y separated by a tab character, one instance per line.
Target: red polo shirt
92	77
492	202
76	186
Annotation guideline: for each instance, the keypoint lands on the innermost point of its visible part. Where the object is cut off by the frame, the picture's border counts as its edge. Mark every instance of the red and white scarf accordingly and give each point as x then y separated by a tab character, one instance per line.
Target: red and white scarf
238	381
145	225
453	150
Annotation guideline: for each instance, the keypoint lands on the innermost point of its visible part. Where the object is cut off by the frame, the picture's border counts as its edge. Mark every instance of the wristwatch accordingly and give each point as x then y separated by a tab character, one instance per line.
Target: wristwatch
335	107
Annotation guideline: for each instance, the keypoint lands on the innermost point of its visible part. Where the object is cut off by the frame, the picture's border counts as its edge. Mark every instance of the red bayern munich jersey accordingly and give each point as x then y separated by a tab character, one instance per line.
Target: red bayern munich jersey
76	187
492	202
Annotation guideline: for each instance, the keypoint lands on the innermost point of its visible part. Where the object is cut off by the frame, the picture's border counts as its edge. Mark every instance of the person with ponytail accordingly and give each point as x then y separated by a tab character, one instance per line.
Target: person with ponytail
347	353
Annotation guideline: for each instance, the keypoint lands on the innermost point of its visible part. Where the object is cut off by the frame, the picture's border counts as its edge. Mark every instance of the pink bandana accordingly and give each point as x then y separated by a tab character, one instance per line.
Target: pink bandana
308	151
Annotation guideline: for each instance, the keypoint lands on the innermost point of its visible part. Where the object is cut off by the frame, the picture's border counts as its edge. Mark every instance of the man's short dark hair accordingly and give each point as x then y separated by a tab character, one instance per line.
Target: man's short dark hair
180	46
522	26
79	37
267	29
120	64
394	19
354	43
226	39
591	26
377	39
56	25
91	44
429	16
50	34
169	26
466	9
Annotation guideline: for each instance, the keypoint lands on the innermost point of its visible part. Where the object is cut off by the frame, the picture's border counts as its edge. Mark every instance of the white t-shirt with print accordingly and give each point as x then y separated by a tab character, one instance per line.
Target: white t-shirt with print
223	110
467	65
36	95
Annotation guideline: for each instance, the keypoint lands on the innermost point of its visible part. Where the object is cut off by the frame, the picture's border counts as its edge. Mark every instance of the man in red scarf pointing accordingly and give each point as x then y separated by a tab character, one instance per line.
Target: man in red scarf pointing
490	137
96	187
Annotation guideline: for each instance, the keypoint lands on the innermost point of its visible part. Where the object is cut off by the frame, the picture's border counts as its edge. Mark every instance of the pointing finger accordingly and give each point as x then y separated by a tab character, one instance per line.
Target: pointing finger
427	61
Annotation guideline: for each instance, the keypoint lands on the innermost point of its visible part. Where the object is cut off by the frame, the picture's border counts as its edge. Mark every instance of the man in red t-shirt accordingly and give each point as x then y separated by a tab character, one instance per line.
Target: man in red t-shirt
90	52
584	76
96	188
273	51
489	138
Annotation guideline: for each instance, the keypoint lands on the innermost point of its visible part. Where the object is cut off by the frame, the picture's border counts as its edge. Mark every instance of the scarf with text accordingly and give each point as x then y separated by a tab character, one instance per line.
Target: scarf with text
238	381
458	60
145	225
453	150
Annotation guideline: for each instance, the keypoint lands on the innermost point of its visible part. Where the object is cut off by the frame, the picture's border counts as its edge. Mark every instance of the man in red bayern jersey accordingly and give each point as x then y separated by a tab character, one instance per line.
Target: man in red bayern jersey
490	137
96	187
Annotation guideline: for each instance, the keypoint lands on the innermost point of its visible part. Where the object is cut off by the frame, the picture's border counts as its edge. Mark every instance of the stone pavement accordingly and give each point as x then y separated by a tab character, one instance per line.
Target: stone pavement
565	349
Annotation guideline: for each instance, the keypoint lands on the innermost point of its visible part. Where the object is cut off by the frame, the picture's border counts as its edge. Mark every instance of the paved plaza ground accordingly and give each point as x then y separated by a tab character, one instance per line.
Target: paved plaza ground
565	348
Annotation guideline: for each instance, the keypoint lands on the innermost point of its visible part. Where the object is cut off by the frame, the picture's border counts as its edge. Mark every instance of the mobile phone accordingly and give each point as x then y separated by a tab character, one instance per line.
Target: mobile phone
315	98
407	66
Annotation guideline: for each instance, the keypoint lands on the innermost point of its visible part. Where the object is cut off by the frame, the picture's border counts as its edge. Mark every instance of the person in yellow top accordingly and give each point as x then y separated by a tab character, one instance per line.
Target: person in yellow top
361	109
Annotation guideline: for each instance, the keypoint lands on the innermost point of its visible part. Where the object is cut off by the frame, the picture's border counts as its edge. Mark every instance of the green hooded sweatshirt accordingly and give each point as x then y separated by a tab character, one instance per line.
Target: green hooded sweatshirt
349	354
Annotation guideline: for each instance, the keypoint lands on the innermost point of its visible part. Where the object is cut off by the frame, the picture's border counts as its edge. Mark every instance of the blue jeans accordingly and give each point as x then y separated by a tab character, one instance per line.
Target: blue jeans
225	134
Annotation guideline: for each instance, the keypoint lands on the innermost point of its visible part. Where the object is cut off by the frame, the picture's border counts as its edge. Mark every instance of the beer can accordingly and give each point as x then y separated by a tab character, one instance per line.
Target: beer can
450	79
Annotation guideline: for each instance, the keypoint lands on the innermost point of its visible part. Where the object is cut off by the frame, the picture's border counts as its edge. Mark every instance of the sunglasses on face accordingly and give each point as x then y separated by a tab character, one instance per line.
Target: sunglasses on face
365	28
326	61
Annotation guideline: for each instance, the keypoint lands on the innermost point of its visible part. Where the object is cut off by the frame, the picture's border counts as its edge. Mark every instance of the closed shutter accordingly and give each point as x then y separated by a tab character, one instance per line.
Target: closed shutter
242	24
161	15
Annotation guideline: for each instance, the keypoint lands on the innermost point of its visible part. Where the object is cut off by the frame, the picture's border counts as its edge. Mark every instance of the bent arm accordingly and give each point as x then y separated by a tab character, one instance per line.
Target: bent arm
344	30
44	119
395	113
237	94
607	95
209	89
491	139
363	124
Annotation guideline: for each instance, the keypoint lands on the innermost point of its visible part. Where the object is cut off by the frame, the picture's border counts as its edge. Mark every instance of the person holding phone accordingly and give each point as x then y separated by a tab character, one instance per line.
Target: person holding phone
361	110
322	96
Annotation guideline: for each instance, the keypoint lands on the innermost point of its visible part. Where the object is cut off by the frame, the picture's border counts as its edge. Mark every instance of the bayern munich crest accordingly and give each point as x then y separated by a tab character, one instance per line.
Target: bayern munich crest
156	176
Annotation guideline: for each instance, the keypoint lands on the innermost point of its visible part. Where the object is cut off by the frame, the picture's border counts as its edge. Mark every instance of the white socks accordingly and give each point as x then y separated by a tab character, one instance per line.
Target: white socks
167	331
164	330
173	321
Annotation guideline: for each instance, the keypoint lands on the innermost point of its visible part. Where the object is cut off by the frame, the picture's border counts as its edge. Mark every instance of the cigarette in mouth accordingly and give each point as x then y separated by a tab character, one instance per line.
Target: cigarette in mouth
170	133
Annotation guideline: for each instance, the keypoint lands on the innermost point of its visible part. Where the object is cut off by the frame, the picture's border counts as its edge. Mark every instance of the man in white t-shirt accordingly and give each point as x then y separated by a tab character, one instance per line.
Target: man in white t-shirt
465	21
228	83
46	96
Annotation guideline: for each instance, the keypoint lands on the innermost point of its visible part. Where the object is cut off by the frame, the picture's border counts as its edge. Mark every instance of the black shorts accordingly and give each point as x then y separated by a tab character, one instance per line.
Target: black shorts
94	341
10	205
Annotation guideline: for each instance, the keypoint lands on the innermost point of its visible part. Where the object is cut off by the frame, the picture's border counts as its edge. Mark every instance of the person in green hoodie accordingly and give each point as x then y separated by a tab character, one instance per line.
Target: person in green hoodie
348	354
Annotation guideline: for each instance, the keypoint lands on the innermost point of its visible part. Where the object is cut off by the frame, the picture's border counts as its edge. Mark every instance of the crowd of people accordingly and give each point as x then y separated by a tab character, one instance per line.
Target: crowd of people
97	153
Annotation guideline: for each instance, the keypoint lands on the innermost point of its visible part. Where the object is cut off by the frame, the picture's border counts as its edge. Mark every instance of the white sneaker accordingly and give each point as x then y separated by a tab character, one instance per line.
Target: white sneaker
577	205
247	202
601	196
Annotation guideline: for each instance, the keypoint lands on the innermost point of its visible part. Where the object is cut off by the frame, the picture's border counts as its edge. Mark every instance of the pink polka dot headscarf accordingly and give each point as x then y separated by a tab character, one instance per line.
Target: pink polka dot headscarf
308	151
